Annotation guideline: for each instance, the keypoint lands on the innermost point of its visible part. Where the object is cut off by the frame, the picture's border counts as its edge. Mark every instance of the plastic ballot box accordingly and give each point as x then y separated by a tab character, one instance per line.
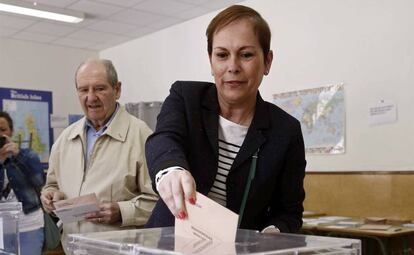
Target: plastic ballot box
163	241
9	228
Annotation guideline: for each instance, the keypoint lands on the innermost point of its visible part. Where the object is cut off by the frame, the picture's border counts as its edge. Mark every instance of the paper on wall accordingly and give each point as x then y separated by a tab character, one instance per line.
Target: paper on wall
382	112
59	121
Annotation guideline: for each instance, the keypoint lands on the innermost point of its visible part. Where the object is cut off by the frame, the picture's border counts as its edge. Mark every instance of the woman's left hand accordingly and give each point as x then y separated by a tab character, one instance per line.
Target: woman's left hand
9	148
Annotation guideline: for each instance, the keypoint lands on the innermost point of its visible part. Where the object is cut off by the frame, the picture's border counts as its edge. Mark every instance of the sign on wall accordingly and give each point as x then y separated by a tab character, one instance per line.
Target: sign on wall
30	111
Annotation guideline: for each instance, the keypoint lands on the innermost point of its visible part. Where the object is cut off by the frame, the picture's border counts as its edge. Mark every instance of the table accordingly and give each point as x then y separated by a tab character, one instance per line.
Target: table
384	238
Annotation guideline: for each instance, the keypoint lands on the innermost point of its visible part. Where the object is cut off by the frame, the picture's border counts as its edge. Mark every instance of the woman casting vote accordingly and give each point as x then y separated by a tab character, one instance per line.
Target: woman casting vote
211	137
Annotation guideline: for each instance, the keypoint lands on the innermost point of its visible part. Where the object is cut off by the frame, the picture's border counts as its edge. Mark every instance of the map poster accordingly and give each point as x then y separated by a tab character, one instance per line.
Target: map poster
321	112
30	111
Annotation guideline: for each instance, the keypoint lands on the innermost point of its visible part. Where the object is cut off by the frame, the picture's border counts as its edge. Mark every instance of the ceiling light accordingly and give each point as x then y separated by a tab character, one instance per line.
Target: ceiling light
41	11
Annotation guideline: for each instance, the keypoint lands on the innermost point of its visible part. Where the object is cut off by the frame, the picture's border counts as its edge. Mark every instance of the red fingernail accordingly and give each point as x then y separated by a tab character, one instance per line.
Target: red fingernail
192	200
181	215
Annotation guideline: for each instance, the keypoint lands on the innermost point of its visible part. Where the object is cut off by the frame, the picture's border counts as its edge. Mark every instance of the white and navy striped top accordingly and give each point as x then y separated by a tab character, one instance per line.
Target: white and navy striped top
231	137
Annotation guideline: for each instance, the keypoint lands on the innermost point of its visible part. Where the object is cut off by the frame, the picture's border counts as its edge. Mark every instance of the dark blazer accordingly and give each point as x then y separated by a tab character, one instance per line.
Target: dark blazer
187	135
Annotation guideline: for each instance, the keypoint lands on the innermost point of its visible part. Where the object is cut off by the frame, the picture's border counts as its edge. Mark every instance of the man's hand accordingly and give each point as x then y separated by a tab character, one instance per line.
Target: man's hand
174	188
108	213
49	197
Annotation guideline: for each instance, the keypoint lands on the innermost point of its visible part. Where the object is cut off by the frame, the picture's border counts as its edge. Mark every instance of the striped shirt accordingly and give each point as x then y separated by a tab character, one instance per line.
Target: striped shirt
231	137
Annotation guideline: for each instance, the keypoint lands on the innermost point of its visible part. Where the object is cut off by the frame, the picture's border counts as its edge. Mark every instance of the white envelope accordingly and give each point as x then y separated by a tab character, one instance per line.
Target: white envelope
74	209
207	221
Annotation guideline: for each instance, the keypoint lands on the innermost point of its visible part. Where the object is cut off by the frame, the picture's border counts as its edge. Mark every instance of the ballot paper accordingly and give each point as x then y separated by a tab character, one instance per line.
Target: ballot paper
316	222
349	223
207	221
74	209
375	227
334	218
408	225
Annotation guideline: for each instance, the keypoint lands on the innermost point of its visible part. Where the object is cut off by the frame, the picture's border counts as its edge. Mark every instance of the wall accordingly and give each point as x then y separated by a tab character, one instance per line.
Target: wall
391	198
368	45
29	65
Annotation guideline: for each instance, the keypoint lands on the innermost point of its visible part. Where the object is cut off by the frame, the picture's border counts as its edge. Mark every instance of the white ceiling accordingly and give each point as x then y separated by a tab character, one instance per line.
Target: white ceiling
107	23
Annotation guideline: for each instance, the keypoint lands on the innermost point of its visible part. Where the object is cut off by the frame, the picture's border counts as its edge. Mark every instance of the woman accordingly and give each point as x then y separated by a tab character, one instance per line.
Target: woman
208	134
21	178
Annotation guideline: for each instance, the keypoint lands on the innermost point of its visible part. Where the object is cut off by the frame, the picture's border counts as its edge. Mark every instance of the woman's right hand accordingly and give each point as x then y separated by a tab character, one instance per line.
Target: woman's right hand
174	188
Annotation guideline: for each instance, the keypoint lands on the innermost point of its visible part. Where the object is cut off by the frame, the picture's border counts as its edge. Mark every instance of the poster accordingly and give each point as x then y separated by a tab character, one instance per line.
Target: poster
30	111
321	112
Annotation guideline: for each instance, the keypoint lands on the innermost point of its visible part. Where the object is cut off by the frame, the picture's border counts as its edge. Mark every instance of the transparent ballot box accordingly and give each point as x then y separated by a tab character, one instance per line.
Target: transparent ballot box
9	228
163	241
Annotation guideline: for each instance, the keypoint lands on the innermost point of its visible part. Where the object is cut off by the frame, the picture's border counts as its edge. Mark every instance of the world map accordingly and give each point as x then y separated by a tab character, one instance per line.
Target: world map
321	113
30	119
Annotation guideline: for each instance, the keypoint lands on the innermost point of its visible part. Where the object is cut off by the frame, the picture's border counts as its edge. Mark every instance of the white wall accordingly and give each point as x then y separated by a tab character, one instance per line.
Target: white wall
29	65
367	44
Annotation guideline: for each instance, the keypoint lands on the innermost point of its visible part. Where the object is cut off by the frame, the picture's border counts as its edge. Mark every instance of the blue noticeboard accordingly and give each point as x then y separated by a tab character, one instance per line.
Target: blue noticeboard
30	111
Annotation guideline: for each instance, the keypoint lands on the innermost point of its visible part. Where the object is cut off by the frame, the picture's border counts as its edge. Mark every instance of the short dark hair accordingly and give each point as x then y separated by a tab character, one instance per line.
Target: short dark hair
111	73
237	12
7	117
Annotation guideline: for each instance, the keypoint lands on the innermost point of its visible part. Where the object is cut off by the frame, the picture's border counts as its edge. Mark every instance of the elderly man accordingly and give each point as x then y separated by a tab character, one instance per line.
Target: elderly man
103	153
